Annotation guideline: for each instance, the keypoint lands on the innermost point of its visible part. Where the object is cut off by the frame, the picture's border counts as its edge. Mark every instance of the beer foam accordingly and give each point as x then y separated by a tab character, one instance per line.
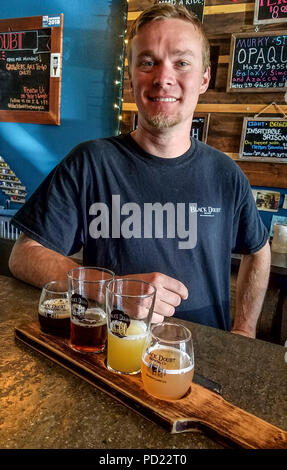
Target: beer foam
136	328
181	356
93	317
55	308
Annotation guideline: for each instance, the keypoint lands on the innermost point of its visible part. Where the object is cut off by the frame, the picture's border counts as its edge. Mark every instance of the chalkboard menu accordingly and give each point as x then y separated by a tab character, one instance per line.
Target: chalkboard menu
258	62
199	128
197	6
30	55
264	139
267	11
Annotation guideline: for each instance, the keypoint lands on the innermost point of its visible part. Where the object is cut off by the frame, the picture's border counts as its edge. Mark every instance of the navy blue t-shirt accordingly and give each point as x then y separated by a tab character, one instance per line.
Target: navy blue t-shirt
133	212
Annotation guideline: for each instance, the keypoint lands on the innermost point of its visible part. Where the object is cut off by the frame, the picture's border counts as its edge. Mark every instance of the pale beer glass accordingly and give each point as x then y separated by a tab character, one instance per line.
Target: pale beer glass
168	361
130	305
87	292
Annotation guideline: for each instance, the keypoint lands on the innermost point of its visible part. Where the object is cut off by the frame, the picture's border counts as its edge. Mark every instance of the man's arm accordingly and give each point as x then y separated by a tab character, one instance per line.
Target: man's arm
35	264
252	282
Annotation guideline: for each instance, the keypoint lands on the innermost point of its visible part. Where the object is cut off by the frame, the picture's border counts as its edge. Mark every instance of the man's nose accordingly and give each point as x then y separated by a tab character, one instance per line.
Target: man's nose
164	75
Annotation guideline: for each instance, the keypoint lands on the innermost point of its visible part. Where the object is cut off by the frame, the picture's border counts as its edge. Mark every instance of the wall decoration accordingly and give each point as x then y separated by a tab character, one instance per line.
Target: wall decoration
30	70
267	11
197	6
258	62
264	139
266	200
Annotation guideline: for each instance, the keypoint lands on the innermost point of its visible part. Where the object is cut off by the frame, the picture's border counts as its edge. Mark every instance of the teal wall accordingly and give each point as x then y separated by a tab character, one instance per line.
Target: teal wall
92	47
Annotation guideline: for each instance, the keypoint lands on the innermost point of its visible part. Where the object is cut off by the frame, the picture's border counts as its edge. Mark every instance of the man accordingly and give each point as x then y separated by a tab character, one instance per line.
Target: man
128	200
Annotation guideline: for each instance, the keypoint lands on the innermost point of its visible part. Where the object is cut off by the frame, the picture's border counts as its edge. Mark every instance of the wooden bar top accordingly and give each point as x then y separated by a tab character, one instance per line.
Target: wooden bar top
44	406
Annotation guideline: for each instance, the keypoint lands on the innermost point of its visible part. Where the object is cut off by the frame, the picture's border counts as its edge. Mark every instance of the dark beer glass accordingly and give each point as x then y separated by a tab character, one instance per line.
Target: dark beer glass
87	290
54	309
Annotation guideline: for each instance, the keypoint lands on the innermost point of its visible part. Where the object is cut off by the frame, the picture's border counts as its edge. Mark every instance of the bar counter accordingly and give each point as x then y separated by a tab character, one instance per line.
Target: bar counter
44	406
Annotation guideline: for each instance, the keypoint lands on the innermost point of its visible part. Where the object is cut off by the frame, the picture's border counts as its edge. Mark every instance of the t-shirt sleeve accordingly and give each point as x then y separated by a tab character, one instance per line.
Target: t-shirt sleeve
53	214
249	232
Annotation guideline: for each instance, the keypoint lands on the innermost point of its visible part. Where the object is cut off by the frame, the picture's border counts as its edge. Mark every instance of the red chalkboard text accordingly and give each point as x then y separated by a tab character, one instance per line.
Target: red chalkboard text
9	41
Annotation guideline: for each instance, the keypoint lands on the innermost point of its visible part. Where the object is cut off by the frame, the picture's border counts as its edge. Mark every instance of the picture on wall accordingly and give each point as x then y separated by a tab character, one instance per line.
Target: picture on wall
266	200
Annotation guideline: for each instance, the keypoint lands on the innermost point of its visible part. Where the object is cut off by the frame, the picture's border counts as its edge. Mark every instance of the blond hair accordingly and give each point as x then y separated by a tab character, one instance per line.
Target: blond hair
164	11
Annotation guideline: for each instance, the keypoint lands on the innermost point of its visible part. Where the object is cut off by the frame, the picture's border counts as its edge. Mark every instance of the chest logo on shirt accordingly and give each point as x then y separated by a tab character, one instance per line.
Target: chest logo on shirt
150	220
206	211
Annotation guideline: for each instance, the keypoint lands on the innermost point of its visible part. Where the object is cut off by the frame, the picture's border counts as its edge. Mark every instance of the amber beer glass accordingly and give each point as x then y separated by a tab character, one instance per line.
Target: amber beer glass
168	361
87	290
54	309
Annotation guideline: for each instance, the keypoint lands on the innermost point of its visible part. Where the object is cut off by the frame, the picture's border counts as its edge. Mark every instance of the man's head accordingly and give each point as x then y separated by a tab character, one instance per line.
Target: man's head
164	11
168	65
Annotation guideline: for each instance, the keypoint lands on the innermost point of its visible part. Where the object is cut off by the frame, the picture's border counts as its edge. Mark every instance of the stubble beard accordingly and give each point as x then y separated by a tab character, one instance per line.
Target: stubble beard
163	120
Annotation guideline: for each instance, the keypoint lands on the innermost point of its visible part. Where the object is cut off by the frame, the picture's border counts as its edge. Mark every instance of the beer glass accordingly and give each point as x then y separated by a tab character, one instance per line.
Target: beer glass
168	361
130	305
54	308
87	289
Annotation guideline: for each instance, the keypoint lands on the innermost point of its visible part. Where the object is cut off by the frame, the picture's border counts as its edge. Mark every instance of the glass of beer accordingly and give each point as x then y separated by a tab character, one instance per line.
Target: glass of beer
87	293
54	309
168	361
130	305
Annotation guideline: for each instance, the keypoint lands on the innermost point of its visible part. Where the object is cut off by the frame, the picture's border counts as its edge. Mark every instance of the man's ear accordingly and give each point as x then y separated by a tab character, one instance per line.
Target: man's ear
205	81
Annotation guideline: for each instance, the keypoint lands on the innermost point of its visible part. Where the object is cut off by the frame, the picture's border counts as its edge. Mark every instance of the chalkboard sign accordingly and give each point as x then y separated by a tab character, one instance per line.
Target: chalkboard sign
258	62
197	6
30	65
199	128
267	11
264	139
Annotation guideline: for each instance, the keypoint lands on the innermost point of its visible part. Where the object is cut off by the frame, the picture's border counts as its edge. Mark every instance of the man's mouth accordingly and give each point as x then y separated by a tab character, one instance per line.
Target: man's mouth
163	100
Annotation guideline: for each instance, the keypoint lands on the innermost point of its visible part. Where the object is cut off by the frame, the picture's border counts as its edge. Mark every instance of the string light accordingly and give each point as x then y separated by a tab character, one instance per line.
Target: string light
120	70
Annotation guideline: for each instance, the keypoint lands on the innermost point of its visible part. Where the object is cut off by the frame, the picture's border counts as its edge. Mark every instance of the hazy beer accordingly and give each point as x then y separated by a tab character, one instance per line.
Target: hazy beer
89	334
124	353
167	373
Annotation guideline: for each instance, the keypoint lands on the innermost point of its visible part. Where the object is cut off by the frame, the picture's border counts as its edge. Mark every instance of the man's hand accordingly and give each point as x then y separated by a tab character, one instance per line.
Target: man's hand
169	294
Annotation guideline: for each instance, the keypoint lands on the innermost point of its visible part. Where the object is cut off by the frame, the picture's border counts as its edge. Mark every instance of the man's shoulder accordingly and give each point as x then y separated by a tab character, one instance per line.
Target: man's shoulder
215	159
95	151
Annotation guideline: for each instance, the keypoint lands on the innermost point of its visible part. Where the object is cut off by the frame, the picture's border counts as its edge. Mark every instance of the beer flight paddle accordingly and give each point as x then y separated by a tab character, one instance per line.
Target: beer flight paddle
199	409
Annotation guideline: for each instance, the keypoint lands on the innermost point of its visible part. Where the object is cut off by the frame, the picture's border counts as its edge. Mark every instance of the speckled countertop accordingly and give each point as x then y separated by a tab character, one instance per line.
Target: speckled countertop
44	406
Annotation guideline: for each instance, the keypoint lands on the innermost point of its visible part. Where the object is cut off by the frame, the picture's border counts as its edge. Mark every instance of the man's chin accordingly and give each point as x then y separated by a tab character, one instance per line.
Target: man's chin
163	121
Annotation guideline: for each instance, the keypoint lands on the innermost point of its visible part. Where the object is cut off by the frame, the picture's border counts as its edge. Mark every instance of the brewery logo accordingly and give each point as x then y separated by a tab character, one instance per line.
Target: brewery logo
79	305
205	211
119	323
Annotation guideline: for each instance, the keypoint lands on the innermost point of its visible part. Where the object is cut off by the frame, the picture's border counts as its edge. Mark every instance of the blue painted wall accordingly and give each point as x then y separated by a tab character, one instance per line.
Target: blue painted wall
91	53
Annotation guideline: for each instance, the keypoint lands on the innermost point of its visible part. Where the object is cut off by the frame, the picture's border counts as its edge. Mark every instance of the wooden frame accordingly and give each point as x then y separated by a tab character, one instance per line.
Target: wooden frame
206	117
256	19
52	116
251	88
259	158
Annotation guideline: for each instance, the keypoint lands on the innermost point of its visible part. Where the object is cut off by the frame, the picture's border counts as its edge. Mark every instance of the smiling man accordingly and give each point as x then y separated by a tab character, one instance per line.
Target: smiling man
154	204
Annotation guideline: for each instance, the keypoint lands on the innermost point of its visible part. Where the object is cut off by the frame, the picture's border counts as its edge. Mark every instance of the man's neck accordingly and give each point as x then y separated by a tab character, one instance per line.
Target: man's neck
165	143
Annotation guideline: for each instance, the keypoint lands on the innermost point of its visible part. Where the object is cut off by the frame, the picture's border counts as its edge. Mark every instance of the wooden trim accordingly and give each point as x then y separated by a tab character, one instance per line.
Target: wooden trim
273	175
211	10
221	108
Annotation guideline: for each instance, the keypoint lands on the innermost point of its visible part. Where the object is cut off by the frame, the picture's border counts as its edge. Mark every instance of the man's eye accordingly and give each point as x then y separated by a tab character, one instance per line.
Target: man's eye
147	63
182	63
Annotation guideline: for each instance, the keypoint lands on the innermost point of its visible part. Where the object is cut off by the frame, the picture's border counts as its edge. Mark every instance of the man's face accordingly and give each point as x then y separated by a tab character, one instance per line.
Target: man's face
167	73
